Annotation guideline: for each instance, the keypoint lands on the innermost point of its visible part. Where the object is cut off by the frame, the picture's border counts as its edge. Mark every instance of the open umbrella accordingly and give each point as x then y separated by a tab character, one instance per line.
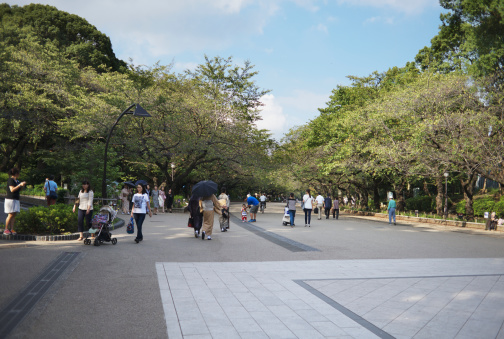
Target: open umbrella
129	183
141	182
205	188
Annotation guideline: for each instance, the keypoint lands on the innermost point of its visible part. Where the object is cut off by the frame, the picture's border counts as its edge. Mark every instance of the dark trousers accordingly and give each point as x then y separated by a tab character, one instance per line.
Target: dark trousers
307	216
139	219
335	212
198	221
327	211
80	220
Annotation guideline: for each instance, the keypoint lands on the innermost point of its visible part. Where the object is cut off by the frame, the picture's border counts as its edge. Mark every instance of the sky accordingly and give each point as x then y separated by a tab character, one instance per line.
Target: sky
302	49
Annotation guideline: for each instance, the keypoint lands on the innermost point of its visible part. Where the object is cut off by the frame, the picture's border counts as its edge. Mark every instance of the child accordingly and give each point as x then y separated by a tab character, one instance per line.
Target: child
244	213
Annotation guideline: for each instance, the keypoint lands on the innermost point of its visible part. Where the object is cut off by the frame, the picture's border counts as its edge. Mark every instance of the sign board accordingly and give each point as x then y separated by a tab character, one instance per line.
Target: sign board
486	215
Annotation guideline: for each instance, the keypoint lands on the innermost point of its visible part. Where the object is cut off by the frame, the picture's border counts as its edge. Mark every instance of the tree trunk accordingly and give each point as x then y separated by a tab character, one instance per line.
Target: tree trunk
439	196
364	200
468	188
376	197
400	202
426	188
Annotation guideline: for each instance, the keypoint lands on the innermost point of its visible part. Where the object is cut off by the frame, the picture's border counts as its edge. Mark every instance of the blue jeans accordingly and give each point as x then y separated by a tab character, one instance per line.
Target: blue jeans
292	215
307	216
139	219
391	214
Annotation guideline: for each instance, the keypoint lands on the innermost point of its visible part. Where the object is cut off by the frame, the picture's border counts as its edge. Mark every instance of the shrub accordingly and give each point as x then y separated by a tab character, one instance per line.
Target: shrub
482	205
420	203
55	219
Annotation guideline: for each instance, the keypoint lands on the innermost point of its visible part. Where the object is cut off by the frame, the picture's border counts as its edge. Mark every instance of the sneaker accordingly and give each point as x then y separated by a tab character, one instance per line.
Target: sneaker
203	235
251	220
196	234
309	226
209	238
7	232
13	233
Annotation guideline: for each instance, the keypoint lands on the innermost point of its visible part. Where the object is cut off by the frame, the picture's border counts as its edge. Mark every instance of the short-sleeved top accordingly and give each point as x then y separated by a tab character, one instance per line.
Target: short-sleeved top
336	204
12	195
140	202
307	202
251	201
320	199
50	186
291	204
263	198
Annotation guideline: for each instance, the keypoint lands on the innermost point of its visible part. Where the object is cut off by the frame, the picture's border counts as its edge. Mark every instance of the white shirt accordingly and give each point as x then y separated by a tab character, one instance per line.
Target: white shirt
140	202
307	202
263	198
320	199
86	200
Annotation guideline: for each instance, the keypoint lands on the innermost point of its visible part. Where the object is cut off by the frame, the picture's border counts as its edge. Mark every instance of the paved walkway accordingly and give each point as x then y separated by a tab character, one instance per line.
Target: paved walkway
347	278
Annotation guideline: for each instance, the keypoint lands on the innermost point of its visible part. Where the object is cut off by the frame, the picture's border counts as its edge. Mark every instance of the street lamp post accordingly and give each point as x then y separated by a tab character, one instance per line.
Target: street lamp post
138	112
446	195
172	169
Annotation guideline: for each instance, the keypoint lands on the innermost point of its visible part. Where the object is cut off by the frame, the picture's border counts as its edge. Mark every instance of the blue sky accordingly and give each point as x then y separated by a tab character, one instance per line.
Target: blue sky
302	49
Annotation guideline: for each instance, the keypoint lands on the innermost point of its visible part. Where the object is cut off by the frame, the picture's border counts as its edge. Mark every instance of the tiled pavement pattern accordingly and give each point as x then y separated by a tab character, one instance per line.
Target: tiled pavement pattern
409	298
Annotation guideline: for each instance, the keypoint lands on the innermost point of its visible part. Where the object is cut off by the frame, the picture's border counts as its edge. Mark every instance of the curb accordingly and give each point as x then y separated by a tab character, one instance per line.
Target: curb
73	236
441	222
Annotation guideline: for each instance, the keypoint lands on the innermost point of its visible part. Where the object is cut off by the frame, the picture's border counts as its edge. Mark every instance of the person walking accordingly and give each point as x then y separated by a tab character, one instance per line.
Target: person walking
224	202
124	198
12	205
327	206
155	199
210	204
253	205
194	207
320	204
141	206
335	211
291	204
391	210
85	208
169	200
162	198
307	207
51	188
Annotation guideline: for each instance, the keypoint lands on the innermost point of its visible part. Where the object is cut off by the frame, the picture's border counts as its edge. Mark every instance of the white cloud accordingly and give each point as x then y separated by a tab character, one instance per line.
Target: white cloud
322	28
273	117
377	19
406	6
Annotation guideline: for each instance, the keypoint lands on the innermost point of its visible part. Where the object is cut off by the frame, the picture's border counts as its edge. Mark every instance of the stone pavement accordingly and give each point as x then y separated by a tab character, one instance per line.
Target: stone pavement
411	298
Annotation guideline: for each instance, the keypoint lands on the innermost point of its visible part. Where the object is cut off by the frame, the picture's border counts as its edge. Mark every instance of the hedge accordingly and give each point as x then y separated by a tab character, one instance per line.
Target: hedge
42	220
482	205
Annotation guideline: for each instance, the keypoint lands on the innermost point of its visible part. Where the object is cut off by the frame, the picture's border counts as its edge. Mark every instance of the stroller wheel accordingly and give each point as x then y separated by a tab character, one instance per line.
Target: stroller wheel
97	242
87	242
114	241
284	223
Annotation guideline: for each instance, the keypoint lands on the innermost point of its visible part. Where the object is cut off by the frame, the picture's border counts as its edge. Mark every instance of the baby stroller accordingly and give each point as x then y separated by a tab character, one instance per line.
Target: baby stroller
100	227
286	217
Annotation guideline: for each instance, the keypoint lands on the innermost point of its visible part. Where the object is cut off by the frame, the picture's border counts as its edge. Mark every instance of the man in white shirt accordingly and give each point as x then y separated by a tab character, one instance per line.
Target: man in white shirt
320	203
262	199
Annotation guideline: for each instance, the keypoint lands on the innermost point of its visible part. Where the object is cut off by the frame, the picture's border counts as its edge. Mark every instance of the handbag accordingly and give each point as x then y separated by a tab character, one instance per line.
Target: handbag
315	210
131	227
190	222
53	195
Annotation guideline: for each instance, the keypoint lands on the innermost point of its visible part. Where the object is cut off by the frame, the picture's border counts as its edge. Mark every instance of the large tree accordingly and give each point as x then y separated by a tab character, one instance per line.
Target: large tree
75	37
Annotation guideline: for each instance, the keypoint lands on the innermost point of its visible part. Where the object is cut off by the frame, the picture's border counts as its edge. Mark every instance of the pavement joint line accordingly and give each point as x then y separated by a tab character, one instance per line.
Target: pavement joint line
355	317
277	239
25	301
